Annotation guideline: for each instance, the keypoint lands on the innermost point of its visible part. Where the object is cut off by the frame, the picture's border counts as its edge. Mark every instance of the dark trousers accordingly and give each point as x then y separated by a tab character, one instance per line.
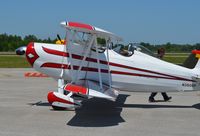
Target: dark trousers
153	94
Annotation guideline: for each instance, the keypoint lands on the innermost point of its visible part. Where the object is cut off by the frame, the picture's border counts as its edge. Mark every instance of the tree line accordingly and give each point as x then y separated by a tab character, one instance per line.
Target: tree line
171	47
12	42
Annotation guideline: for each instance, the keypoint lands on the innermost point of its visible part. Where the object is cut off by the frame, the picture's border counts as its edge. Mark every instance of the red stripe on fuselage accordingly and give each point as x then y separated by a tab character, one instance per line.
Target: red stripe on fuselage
141	75
74	56
64	66
55	52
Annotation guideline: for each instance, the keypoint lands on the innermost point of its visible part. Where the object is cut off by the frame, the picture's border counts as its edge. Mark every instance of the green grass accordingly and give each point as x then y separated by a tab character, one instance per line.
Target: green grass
177	58
177	54
13	61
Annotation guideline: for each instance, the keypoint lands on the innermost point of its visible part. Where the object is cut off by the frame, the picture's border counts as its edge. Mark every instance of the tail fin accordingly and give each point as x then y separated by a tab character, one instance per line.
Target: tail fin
193	61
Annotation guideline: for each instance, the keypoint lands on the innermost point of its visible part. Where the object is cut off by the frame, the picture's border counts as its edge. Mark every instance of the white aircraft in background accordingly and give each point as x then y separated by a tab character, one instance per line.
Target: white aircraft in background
93	63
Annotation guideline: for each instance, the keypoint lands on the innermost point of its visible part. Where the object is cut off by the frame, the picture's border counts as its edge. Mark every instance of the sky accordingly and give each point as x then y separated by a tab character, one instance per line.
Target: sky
152	21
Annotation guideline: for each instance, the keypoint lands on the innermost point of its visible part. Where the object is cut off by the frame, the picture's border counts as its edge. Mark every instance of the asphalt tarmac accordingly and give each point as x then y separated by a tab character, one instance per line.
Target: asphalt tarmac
24	111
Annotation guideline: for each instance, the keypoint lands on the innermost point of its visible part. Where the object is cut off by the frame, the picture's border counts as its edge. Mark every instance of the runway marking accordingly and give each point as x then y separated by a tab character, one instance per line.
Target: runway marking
34	74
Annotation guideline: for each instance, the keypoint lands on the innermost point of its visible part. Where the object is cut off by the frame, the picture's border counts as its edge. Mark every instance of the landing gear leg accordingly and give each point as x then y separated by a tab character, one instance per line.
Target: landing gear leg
60	86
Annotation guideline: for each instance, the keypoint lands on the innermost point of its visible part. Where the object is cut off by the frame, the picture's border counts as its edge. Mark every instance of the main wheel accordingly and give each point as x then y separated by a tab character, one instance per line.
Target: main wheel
58	108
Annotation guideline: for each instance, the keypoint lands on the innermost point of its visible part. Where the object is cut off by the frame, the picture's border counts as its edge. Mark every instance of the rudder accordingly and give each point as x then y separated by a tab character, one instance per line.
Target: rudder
193	61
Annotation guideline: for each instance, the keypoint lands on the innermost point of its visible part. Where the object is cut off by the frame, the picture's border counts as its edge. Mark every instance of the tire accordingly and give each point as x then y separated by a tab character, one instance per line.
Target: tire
58	108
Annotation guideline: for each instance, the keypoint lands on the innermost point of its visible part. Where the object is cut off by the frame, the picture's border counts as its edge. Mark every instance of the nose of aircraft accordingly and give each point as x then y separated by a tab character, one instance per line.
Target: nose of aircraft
31	54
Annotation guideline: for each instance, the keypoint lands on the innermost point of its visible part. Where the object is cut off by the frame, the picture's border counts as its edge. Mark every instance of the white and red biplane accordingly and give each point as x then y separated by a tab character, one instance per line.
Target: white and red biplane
86	68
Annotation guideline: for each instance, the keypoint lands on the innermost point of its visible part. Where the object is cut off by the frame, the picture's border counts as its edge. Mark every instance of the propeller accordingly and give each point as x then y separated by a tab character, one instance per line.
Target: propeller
58	36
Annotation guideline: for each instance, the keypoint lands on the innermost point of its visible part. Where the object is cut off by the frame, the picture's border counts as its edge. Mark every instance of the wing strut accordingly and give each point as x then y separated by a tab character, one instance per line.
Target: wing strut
108	63
98	62
84	58
61	80
68	50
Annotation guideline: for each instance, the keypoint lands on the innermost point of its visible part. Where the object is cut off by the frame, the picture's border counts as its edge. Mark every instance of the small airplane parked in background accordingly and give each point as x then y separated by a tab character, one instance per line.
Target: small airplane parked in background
94	63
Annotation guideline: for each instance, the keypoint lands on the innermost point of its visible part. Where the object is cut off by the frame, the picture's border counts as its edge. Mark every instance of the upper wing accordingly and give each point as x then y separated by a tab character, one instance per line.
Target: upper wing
90	29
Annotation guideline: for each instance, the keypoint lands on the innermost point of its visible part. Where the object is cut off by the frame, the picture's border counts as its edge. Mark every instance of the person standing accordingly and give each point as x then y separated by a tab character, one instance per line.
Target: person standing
160	55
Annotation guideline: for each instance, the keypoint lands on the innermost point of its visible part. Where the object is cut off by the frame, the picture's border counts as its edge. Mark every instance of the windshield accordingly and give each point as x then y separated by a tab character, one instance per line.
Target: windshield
140	48
128	50
122	50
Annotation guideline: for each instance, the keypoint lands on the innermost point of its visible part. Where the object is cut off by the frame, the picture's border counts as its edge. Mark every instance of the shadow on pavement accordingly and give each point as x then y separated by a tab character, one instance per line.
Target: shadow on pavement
97	112
40	103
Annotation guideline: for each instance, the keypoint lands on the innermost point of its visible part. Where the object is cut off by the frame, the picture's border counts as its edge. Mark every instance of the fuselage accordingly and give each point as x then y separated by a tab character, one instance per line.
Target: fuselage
138	72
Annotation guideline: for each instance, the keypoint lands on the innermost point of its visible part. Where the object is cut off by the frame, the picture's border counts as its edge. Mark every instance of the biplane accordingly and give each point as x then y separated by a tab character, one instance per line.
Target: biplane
95	63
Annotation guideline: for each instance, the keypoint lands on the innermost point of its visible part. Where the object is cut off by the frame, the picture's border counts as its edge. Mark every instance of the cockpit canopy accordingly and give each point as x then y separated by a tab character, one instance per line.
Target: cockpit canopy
128	50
